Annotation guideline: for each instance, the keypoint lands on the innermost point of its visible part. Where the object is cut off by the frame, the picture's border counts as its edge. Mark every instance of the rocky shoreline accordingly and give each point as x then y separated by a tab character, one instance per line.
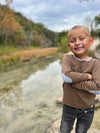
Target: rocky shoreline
54	128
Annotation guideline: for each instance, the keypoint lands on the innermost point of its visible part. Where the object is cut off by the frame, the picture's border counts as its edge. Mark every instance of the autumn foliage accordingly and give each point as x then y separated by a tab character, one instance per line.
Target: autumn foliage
8	25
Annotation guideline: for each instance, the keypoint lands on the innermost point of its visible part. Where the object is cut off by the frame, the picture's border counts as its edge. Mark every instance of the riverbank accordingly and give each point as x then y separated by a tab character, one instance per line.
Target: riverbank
94	129
25	96
30	53
22	70
21	58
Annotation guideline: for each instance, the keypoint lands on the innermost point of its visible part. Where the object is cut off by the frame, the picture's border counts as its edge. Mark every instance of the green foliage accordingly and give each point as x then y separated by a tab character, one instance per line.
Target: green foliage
25	36
62	34
97	24
90	53
8	49
8	62
64	45
31	28
63	41
97	20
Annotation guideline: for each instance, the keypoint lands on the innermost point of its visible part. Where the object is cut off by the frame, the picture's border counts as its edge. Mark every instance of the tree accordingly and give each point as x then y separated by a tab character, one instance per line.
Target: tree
63	44
97	20
84	0
38	39
89	23
8	2
8	23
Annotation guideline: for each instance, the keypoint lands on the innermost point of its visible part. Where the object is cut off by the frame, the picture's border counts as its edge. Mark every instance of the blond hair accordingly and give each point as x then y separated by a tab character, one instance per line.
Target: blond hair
80	27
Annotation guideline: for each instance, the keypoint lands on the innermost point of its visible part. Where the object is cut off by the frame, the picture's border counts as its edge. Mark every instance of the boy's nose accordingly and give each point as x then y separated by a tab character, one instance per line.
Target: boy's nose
77	42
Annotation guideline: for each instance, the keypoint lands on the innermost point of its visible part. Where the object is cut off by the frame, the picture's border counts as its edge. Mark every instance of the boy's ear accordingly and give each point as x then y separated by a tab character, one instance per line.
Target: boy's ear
68	45
91	41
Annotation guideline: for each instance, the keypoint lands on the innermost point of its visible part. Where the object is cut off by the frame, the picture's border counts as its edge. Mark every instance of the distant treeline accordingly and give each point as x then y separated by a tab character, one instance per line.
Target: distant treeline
17	30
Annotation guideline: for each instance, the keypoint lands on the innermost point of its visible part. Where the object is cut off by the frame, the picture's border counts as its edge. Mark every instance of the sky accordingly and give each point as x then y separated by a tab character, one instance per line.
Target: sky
57	15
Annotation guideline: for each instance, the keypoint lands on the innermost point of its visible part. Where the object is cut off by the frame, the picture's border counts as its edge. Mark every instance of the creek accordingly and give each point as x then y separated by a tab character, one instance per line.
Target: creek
28	97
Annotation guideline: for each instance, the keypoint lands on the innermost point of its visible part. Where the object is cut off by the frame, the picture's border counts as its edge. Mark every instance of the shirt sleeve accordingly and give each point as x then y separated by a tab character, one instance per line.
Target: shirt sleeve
92	86
70	76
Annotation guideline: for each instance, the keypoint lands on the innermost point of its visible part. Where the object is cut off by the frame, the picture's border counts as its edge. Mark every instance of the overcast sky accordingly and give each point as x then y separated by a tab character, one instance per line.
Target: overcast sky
57	15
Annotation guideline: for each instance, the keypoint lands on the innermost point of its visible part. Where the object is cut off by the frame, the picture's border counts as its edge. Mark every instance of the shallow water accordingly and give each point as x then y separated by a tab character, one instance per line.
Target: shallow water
28	97
29	106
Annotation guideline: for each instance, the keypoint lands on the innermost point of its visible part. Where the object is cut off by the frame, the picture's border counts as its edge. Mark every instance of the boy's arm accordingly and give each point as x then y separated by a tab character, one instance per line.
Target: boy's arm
93	85
70	76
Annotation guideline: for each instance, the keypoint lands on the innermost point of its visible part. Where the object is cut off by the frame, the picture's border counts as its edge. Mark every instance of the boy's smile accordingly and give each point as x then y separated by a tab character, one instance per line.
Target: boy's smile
78	48
79	42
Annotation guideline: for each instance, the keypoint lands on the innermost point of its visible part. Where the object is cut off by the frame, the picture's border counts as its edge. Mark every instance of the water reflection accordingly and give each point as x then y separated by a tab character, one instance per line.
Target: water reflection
30	107
42	81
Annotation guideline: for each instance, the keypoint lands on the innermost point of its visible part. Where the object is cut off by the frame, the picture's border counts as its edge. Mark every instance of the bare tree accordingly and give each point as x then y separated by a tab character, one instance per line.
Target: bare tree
84	0
89	23
8	2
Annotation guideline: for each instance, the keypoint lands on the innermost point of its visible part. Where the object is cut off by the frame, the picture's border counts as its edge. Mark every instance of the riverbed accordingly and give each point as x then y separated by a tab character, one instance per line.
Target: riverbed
28	97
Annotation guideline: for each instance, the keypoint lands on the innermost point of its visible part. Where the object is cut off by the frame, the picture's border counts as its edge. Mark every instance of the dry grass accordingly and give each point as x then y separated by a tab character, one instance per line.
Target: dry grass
30	53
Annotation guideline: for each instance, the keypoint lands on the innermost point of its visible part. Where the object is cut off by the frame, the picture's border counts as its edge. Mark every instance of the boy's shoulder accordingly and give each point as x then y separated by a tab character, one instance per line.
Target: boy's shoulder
95	60
68	55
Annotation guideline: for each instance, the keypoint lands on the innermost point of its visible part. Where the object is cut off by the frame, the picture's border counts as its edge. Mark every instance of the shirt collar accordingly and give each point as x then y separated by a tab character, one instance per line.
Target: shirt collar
82	59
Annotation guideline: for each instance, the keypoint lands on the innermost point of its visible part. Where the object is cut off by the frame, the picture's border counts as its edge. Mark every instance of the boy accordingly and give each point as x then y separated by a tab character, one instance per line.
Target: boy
81	75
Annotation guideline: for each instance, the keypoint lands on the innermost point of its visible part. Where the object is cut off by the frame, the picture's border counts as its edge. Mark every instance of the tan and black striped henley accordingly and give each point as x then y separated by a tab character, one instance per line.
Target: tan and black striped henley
79	92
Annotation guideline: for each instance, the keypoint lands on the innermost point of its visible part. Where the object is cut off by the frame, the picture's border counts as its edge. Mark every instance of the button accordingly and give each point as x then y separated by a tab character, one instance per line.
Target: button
91	106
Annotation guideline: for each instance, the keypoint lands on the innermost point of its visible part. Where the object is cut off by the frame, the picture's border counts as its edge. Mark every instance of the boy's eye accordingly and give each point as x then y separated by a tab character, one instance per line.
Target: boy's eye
82	38
72	41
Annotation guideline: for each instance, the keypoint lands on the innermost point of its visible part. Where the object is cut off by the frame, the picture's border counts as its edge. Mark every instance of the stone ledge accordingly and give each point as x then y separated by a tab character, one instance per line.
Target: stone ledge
97	100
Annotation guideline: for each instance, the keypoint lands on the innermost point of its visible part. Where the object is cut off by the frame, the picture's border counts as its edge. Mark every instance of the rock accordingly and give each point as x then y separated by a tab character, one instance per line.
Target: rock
55	127
59	100
23	59
97	100
41	57
97	54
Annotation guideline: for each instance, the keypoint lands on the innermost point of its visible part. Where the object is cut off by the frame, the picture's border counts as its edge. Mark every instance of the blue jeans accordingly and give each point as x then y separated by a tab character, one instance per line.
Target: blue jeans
84	119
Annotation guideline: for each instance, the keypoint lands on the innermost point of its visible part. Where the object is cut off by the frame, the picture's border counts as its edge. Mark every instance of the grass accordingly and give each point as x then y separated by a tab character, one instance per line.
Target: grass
7	50
91	53
11	56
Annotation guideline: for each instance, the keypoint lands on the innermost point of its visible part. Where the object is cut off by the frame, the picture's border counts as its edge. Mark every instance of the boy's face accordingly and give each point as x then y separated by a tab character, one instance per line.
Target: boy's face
79	42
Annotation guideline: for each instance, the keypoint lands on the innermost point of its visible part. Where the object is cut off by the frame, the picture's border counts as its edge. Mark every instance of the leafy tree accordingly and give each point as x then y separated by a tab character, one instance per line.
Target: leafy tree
97	20
16	28
63	44
9	26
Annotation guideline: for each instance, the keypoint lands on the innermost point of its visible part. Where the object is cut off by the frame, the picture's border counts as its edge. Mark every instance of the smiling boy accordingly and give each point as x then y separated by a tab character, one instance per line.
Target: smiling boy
81	75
